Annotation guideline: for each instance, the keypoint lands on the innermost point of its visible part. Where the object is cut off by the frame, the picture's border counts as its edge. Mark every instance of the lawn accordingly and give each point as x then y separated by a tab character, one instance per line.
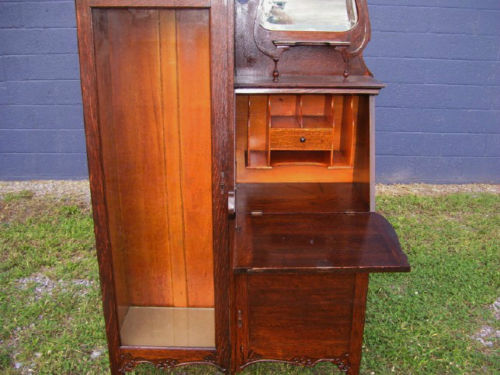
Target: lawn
438	319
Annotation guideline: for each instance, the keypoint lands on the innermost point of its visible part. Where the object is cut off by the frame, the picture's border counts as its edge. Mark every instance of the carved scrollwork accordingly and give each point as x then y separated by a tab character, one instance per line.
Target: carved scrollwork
342	362
211	359
129	362
303	361
252	356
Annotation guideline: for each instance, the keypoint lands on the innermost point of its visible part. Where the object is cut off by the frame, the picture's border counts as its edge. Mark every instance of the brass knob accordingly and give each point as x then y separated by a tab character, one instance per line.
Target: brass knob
302	139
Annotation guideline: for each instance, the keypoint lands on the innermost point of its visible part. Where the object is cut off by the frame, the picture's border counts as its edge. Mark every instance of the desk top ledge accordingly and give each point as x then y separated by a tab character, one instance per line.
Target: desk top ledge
355	83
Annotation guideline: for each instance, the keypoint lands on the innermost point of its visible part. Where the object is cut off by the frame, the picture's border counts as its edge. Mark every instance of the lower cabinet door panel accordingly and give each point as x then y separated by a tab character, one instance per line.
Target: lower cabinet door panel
300	318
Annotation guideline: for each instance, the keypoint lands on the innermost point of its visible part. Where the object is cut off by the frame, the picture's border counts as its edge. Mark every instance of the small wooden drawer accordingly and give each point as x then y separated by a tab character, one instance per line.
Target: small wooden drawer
301	139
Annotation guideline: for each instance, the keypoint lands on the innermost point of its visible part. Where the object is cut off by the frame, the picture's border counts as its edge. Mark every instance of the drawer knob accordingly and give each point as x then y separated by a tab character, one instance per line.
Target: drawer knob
302	139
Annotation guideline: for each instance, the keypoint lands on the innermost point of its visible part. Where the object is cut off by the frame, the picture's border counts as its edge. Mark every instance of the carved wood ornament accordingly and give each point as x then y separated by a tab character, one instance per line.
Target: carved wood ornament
342	362
130	362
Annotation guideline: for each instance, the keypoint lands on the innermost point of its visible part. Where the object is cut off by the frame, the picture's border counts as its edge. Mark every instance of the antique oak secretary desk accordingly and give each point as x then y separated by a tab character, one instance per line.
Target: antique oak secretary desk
231	159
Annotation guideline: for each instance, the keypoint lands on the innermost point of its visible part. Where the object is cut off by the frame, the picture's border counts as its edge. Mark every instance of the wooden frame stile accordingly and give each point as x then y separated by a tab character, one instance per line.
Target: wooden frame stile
96	178
226	260
239	323
358	320
126	358
222	163
372	152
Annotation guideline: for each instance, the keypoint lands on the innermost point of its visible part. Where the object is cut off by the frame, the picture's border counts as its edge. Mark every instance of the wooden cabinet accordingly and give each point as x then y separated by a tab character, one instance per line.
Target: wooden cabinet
231	162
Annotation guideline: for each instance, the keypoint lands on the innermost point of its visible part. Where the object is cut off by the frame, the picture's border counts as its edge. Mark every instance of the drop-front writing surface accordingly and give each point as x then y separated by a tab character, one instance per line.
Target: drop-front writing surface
153	77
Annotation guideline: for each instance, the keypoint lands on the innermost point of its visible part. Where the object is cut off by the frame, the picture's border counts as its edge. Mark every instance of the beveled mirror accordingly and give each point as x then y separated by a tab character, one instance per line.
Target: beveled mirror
310	15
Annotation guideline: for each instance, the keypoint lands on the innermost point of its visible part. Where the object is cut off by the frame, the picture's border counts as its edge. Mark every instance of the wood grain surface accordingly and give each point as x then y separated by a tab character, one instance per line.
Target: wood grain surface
354	242
153	74
300	319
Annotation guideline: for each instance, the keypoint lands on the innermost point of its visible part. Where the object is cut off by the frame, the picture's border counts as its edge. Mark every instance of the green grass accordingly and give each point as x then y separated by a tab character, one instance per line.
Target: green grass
417	323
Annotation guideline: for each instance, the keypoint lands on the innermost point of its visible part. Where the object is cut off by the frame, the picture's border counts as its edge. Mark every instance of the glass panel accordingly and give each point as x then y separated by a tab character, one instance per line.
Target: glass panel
153	78
308	15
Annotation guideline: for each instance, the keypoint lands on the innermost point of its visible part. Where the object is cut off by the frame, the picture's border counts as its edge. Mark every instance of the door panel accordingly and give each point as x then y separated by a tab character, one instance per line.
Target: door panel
297	318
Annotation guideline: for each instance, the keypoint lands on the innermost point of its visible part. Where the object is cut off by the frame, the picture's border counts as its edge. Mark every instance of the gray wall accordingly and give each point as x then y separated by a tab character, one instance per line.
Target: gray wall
438	121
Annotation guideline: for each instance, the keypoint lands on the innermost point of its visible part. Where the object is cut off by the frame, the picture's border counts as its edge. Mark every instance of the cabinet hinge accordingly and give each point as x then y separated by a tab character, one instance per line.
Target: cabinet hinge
240	319
222	183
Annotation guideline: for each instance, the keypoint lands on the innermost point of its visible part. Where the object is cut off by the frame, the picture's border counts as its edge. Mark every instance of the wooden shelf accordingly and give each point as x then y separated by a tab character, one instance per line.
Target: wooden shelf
285	122
168	327
257	159
283	158
316	122
357	242
324	84
340	160
302	158
308	122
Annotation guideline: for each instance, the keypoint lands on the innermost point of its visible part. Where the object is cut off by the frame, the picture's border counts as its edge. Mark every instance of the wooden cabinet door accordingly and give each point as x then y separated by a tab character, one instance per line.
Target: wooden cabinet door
302	319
